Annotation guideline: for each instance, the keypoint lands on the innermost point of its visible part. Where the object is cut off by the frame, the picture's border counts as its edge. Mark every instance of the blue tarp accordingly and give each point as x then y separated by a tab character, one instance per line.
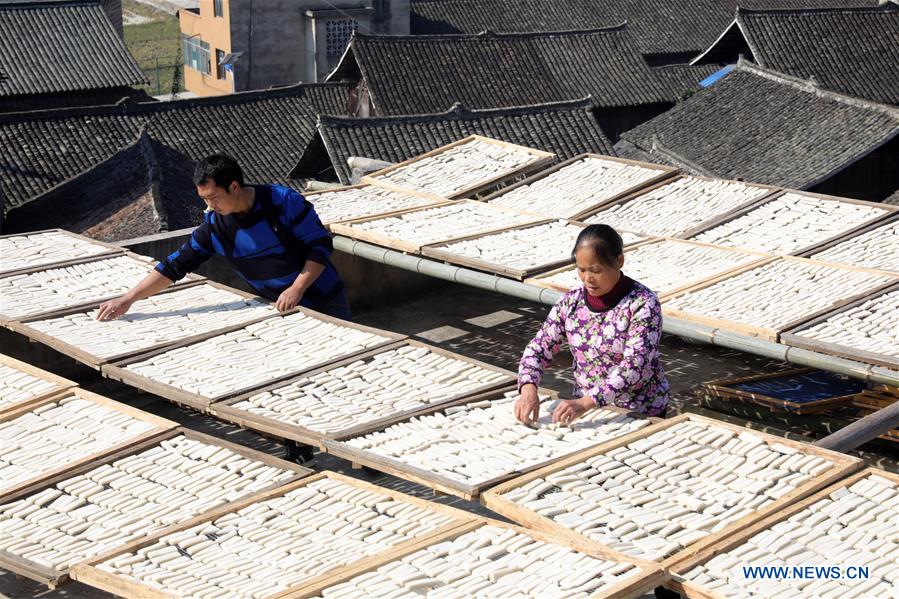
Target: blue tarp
716	76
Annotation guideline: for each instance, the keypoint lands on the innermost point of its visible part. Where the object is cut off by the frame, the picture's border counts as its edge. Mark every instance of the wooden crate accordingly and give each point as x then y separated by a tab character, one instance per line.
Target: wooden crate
349	228
60	385
92	303
54	578
494	500
651	575
663	173
769	333
725	389
225	410
795	338
160	425
703	554
539	159
23	327
340	448
88	572
119	370
103	249
426	201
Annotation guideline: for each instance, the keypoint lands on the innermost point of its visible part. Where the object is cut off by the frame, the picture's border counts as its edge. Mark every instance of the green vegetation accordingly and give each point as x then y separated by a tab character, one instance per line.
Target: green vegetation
155	43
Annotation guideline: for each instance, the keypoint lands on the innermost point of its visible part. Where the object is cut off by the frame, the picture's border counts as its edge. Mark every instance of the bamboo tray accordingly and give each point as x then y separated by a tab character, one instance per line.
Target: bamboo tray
159	424
650	576
119	370
340	448
662	173
54	578
426	200
843	465
739	537
816	252
100	248
88	572
538	160
60	385
225	410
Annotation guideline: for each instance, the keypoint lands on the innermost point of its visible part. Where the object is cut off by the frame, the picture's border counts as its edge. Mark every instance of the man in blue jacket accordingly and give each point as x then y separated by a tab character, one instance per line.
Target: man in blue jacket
270	234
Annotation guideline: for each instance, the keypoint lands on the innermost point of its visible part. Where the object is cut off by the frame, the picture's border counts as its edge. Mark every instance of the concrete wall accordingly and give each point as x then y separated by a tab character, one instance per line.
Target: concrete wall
215	31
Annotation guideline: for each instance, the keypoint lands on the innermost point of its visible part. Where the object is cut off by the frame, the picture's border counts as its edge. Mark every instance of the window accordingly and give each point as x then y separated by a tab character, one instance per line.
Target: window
196	53
219	67
337	36
218	8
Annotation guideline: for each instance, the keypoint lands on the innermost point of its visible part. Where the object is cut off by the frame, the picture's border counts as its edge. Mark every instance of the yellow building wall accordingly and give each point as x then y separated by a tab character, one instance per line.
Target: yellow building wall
215	31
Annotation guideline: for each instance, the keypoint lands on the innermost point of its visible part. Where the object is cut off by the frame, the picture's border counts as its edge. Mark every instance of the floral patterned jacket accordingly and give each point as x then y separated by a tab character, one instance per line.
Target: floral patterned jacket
616	352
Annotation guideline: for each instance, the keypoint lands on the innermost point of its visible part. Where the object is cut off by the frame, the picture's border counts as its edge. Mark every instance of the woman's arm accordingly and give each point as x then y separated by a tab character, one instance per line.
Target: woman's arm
537	355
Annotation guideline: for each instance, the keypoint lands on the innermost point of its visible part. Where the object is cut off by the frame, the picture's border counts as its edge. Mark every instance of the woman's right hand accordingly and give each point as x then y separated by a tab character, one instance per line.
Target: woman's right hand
114	308
527	407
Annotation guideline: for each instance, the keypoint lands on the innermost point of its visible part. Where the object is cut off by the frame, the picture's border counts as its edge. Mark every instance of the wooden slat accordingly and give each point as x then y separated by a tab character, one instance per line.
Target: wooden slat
61	386
110	250
430	200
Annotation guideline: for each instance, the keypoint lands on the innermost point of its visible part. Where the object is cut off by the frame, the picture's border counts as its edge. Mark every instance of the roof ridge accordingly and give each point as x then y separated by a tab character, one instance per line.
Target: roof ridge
889	7
45	5
622	26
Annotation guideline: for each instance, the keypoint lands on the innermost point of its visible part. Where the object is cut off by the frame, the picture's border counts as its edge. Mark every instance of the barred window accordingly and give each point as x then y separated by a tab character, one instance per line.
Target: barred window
196	53
337	35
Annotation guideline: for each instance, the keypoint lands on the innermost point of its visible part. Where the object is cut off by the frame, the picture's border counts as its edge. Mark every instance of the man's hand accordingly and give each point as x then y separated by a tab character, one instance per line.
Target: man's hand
527	407
288	299
570	410
114	308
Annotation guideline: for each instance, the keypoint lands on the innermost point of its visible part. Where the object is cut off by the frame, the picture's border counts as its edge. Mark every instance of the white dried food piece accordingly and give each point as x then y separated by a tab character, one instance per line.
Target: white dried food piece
877	248
271	545
778	293
495	561
675	208
39	249
360	202
17	386
577	187
461	167
388	383
790	223
85	515
444	442
872	326
59	288
442	223
61	432
660	494
159	319
265	350
855	525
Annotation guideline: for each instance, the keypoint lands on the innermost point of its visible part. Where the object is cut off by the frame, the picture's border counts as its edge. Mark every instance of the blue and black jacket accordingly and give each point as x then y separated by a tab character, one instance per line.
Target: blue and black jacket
268	260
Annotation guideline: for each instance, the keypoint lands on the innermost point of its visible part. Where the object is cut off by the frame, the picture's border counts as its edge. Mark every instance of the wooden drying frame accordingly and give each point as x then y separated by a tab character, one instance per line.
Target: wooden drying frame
885	222
39	480
26	405
111	250
88	573
703	554
79	306
348	228
444	484
541	159
54	578
769	190
888	210
665	172
119	370
96	362
843	466
795	338
722	389
652	575
770	333
430	200
224	409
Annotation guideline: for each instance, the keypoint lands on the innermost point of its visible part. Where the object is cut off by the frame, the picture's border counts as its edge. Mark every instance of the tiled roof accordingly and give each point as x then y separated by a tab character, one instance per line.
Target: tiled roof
682	79
425	74
765	127
61	47
854	51
266	131
566	128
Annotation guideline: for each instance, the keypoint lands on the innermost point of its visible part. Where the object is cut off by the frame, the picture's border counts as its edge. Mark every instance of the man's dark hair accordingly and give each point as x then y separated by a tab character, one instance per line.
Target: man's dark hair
605	242
219	169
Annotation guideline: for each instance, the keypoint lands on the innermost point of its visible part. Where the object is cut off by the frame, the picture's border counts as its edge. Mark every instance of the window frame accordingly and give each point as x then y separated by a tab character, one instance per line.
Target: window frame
193	51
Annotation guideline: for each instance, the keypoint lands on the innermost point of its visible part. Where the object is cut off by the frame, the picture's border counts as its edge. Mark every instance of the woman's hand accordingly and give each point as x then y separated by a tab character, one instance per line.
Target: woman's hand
527	408
570	410
288	299
114	308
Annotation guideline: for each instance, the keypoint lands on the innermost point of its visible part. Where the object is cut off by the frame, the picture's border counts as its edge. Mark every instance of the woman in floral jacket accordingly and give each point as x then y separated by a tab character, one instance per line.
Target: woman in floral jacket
613	326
